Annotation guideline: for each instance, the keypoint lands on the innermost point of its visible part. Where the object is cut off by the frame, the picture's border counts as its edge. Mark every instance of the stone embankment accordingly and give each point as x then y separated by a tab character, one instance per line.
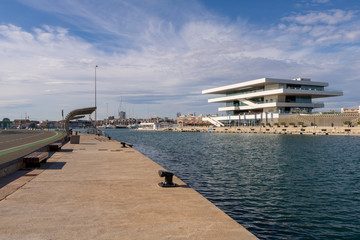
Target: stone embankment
98	189
274	130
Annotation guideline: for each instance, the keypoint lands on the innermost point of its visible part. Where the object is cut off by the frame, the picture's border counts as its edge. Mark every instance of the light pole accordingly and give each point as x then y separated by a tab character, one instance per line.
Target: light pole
95	99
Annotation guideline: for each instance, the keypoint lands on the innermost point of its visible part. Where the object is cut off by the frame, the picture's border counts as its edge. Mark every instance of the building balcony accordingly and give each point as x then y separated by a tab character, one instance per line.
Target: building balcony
273	104
243	117
277	91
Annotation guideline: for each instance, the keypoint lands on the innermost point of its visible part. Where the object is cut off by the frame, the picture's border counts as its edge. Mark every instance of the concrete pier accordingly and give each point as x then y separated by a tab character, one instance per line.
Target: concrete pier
346	131
99	190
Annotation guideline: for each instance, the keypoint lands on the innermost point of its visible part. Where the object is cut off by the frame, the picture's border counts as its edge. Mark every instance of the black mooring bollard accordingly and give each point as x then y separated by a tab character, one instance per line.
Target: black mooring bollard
168	179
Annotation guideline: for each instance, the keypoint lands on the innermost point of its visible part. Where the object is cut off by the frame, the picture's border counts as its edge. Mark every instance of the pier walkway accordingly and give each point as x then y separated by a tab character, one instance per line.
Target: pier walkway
99	190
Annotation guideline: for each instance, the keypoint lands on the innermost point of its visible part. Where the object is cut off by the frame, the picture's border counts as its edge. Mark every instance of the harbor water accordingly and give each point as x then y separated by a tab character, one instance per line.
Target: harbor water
277	186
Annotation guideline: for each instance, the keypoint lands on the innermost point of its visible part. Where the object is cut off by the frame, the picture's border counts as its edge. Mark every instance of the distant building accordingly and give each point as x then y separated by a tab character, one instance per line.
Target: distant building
5	123
24	124
178	114
152	126
155	125
265	99
47	124
190	119
81	123
345	110
329	112
122	115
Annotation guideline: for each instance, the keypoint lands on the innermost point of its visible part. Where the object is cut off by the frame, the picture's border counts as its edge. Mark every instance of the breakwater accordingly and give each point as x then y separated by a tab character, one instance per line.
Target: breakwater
354	131
279	186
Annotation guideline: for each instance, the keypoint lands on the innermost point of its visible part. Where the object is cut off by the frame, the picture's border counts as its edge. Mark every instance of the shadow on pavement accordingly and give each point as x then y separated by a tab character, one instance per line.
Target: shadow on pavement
12	177
66	150
54	166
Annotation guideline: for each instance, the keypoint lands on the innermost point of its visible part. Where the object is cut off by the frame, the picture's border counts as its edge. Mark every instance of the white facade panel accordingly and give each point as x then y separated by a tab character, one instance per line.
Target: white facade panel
270	95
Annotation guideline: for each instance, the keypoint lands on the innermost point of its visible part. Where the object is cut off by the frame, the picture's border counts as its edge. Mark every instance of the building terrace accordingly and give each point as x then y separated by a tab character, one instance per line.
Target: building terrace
268	98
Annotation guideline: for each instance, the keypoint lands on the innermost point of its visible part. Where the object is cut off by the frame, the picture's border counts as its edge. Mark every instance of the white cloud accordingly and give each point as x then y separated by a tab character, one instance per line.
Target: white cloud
13	103
320	1
334	16
164	61
322	28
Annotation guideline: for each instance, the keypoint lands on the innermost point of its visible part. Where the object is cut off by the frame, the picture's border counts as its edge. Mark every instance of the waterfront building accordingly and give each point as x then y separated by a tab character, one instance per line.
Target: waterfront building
79	123
24	123
122	115
190	120
266	99
149	125
345	110
5	123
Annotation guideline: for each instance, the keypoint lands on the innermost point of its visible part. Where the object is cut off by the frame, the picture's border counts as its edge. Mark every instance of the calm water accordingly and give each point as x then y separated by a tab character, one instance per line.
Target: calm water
277	186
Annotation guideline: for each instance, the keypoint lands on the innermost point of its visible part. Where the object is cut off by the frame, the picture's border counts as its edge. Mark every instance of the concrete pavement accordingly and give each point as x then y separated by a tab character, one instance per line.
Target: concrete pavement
98	190
18	143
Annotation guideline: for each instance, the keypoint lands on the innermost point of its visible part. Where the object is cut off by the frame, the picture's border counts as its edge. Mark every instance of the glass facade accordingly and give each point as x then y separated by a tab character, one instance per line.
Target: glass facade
296	110
297	99
304	87
235	104
244	91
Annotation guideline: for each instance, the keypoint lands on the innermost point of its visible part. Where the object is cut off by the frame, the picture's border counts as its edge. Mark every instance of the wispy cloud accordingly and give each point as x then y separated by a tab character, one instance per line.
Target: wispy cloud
151	56
17	103
334	16
320	1
322	29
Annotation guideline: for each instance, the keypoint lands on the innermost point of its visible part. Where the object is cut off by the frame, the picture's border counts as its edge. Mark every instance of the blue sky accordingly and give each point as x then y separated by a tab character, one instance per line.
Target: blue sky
157	56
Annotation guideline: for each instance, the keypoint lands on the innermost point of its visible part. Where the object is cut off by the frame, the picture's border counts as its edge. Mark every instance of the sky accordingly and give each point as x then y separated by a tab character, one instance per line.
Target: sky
154	57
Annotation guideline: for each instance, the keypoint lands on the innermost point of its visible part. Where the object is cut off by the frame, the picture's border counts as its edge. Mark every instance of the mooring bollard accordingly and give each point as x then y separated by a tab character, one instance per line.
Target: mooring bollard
168	179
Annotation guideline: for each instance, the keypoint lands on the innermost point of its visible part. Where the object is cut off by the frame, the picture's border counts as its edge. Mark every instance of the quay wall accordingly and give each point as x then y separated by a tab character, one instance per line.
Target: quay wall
326	120
314	130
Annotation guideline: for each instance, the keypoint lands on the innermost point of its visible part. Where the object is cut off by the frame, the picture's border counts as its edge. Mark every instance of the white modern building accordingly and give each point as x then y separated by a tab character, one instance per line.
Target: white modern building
149	126
265	99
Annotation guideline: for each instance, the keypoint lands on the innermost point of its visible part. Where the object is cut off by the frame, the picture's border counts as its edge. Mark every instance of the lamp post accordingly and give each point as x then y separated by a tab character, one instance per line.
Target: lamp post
95	100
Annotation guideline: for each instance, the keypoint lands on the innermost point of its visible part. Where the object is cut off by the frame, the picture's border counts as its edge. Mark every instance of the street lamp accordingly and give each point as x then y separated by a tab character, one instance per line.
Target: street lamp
95	97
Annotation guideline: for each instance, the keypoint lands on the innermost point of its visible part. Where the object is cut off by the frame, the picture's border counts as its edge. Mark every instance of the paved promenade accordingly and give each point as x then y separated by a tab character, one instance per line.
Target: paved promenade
98	190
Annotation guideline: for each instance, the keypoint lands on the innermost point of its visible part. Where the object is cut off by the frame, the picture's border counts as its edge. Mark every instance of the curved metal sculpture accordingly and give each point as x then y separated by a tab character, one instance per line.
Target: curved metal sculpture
76	114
